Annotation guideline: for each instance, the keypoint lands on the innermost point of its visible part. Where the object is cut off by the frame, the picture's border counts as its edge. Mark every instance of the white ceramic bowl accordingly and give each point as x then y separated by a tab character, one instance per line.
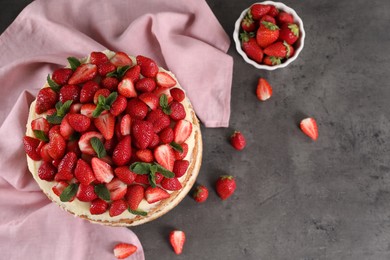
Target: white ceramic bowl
298	45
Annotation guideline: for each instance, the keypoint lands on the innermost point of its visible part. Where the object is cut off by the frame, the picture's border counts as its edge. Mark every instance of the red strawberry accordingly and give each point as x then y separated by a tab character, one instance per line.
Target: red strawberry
133	73
271	60
182	131
164	156
83	172
124	250
238	141
143	133
110	83
160	91
122	151
166	135
150	99
124	174
73	146
105	68
98	58
134	196
148	66
171	184
263	90
177	94
289	32
142	179
46	171
200	194
40	124
88	91
119	105
103	91
145	85
87	109
180	167
181	155
86	193
79	122
267	34
126	88
83	73
59	187
102	170
279	49
309	127
85	142
98	206
273	11
258	10
110	144
75	108
164	80
284	17
159	120
155	141
44	152
57	146
155	194
177	239
177	111
70	92
117	189
137	109
247	24
145	155
268	18
106	125
54	130
121	59
251	48
66	167
225	186
61	75
125	125
46	99
117	207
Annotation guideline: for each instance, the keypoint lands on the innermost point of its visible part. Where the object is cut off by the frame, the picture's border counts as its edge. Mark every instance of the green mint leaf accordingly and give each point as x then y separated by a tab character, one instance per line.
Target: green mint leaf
138	212
176	146
98	110
74	63
98	147
165	172
163	101
140	168
69	192
112	74
75	136
58	105
52	84
54	119
101	100
110	99
102	192
64	108
152	179
122	70
167	110
41	135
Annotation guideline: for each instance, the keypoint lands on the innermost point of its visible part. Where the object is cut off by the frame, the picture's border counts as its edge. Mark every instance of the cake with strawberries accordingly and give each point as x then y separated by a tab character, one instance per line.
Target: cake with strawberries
113	139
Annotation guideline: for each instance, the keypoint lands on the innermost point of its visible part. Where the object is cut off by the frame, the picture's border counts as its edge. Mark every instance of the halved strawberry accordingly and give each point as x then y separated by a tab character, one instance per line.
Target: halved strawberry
75	108
102	170
61	75
121	59
44	152
149	67
125	125
124	250
88	91
150	99
79	122
164	80
46	171
83	73
59	187
133	73
46	99
119	105
87	109
98	58
165	156
30	147
145	85
83	172
57	146
40	124
117	207
182	131
98	206
85	142
124	174
155	194
105	123
309	127
66	129
171	184
122	152
134	196
263	90
117	189
159	91
177	94
126	88
145	155
142	132
177	239
86	193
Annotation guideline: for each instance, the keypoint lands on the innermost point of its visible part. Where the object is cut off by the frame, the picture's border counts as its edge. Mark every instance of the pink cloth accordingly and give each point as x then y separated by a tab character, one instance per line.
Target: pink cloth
183	36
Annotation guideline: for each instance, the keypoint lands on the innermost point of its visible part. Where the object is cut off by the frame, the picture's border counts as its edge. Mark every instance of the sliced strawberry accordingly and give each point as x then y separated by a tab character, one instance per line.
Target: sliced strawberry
124	250
83	73
119	105
121	59
98	58
61	75
69	92
103	91
122	151
145	85
85	142
263	90
105	123
98	206
105	68
180	167
46	99
149	67
166	135
117	189
79	122
87	109
164	80
142	132
124	174
83	172
125	125
133	73
57	146
66	129
177	111
182	131
59	187
164	156
171	184
102	170
75	108
126	88
88	91
40	124
159	91
137	109
86	193
177	239
155	194
134	196
46	171
181	155
30	147
150	99
145	155
117	207
177	94
309	127
44	152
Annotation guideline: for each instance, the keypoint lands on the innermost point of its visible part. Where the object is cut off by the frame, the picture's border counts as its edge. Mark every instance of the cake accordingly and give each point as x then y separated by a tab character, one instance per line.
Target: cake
113	139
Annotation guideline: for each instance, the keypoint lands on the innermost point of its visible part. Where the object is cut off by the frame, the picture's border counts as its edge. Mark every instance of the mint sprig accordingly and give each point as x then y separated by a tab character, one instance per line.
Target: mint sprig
74	63
98	147
61	111
69	192
104	103
52	84
164	104
176	146
119	72
138	212
102	192
151	169
41	135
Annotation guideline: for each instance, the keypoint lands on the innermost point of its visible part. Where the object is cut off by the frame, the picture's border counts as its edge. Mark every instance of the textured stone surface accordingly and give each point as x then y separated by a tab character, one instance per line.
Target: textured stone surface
296	199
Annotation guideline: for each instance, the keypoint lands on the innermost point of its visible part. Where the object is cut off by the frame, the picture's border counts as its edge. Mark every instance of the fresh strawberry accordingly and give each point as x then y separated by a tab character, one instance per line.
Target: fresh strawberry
159	120
271	60
59	187
181	155
105	68
160	91
86	193
177	238
46	171
263	90
258	10
145	85
119	105
155	141
110	83
279	49
148	66
225	186
46	99
133	73
124	174
166	135
155	194
237	140
40	124
110	144
106	125
247	24
177	111
284	17
124	250
164	156
182	131
66	167
289	32
75	108
57	146
164	80
54	130
273	11
267	34
56	163
251	48
85	142
61	75
79	122
70	92
117	189
180	167
88	91
268	18
117	207
98	206
44	152
171	184
87	109
98	58
102	170
126	88
83	172
121	59
103	92
145	155
73	146
142	132
142	179
150	99
177	94
309	127
200	194
122	151
137	109
125	125
83	73
134	196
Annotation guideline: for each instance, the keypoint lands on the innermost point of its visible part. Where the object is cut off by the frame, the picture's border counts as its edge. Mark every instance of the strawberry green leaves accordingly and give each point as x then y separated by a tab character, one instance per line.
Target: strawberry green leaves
61	111
104	103
164	104
98	147
151	169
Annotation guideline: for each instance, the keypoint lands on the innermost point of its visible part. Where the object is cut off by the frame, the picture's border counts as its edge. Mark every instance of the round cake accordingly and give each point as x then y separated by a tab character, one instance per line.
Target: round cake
113	139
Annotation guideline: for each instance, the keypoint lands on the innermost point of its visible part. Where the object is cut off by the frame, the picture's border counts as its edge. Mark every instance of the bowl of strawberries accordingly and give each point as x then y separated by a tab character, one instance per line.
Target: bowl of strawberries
269	35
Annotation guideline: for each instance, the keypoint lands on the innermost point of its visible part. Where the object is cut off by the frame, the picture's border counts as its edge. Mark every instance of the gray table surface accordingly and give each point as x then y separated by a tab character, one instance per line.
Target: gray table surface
296	199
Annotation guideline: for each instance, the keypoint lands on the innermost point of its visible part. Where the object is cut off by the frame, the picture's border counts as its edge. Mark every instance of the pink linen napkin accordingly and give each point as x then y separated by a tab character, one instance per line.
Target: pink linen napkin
182	36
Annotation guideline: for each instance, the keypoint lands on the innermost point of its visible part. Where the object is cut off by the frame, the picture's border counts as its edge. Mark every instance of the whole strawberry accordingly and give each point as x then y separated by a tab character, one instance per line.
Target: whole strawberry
200	194
258	10
267	34
251	48
247	24
289	32
238	141
225	186
279	49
